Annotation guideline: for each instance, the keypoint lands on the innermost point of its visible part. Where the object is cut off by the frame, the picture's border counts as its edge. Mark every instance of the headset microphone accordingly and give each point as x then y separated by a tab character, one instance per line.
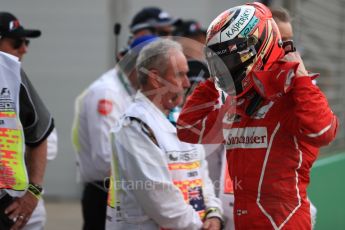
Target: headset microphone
117	30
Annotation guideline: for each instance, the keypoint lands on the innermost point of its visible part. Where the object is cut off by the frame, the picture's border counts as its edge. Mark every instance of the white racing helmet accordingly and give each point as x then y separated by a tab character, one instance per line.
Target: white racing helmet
239	41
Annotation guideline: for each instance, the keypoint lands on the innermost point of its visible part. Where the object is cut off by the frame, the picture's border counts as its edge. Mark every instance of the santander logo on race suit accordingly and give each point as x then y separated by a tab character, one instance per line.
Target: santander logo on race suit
246	138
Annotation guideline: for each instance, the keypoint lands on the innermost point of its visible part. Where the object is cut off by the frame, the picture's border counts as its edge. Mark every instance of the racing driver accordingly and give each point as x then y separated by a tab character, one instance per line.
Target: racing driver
272	119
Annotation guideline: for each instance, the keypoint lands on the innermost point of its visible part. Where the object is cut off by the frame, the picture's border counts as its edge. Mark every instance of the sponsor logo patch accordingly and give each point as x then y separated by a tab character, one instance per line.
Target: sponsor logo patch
105	107
6	102
246	138
183	156
192	174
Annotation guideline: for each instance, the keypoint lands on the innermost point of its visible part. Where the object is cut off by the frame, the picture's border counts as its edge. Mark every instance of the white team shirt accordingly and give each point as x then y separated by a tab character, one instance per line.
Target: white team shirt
97	110
157	202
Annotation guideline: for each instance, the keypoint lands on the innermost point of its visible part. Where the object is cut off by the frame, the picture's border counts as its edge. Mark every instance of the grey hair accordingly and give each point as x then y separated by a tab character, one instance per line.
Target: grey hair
155	56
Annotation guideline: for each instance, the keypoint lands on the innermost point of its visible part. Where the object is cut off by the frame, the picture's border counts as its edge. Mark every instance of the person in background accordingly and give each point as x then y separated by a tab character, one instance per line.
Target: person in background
153	20
160	182
26	117
191	29
150	21
192	37
282	17
273	121
97	109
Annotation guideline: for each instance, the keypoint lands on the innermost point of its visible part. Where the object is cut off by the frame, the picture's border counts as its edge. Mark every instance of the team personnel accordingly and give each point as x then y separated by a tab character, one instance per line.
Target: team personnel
192	37
98	109
283	21
160	182
153	20
25	126
272	123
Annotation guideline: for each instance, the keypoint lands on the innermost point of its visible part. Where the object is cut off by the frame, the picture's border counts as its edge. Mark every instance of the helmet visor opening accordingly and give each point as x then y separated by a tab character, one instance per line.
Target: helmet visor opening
226	61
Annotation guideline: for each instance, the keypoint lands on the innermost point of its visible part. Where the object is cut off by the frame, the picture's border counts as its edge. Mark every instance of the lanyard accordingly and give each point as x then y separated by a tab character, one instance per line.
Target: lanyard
126	84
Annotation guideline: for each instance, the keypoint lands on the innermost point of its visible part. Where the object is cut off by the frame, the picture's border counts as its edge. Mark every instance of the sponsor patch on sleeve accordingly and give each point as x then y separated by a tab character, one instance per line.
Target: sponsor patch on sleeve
105	107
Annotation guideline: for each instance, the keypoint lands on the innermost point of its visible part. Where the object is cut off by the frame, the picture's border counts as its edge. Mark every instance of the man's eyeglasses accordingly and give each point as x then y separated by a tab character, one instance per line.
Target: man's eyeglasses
18	42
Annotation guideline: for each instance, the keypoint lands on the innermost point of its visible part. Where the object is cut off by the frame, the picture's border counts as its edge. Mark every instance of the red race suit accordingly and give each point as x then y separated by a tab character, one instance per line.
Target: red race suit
269	153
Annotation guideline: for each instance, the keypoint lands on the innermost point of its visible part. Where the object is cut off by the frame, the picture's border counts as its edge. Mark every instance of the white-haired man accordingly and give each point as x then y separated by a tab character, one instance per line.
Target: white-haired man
159	181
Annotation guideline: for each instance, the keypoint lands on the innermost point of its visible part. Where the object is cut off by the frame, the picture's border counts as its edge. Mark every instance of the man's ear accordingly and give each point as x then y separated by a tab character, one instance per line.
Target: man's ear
154	78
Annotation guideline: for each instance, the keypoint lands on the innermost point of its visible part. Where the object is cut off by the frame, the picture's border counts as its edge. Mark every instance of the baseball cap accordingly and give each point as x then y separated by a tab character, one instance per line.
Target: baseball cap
11	27
190	28
151	17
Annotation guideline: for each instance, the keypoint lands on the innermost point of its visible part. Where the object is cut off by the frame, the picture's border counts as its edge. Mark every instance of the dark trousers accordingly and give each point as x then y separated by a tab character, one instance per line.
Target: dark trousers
94	206
5	222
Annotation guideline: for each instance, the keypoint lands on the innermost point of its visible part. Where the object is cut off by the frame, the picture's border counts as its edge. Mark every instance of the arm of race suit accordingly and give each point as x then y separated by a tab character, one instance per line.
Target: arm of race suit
313	119
141	160
200	120
211	201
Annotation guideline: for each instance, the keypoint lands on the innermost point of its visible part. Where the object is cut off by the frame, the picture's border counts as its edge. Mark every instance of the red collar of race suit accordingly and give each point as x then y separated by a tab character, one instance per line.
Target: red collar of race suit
277	80
269	85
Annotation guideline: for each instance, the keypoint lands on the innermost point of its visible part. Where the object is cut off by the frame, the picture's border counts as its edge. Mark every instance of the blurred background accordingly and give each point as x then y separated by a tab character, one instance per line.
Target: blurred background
77	46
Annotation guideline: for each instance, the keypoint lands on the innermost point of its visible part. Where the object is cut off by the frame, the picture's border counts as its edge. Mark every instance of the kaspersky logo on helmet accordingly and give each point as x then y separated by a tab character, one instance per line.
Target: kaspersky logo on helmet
245	15
229	24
